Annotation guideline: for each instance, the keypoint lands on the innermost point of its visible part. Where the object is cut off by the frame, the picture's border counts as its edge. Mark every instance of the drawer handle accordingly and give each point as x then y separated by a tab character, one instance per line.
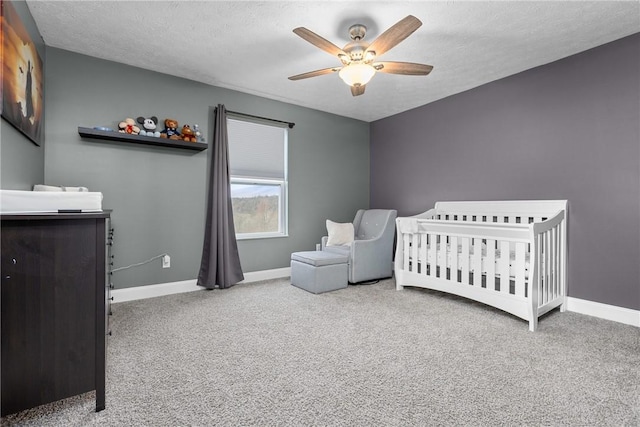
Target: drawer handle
13	261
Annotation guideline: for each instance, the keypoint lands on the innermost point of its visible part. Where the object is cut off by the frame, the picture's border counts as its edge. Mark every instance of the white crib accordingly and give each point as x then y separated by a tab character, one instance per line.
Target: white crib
511	255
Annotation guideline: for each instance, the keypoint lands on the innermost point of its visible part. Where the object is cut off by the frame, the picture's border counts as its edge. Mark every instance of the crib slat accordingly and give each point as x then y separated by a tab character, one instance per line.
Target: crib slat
464	258
541	271
554	263
504	267
543	279
442	254
477	262
547	265
562	260
453	251
422	253
552	284
421	249
490	263
520	264
557	260
406	239
538	284
433	258
415	243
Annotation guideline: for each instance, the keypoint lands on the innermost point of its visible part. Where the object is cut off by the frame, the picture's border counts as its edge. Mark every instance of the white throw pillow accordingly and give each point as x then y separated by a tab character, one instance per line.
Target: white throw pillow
339	234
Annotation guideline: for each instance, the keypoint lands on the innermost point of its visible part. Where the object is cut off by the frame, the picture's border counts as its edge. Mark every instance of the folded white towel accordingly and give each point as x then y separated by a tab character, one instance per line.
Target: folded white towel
42	187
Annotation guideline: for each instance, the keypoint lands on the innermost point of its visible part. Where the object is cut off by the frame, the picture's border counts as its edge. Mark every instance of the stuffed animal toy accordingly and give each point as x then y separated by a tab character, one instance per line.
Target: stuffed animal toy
170	129
188	134
149	126
128	126
197	133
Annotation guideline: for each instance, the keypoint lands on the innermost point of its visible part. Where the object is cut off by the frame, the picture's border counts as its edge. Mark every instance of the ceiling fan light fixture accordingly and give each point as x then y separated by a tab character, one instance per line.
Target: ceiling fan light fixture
357	74
344	58
369	56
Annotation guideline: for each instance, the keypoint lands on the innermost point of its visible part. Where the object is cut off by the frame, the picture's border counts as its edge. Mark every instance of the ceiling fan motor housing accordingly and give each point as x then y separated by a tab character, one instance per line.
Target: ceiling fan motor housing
357	31
356	48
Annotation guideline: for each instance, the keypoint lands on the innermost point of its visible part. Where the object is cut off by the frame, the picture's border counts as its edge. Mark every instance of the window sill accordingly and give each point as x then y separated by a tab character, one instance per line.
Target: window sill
255	236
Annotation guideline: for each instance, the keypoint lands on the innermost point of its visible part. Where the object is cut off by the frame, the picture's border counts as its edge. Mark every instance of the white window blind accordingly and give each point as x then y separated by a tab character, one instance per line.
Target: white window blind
256	150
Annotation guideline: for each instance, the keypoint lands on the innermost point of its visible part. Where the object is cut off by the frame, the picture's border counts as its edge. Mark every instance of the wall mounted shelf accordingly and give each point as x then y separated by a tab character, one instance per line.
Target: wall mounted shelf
138	139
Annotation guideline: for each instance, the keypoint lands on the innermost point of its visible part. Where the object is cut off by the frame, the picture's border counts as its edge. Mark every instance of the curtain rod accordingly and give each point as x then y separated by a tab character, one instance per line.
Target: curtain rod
290	124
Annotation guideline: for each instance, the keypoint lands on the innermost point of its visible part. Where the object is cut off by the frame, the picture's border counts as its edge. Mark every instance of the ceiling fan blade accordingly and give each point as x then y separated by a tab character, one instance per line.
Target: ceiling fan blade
318	41
357	90
406	68
315	73
394	35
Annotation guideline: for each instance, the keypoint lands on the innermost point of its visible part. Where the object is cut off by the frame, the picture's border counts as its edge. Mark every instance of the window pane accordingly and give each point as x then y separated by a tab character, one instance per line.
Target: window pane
256	207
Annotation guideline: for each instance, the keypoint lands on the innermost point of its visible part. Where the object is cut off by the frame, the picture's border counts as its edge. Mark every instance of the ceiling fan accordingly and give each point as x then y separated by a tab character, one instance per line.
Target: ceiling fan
359	57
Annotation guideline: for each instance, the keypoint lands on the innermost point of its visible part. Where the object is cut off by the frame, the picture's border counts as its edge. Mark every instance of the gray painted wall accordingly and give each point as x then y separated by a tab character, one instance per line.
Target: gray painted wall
21	161
566	130
157	195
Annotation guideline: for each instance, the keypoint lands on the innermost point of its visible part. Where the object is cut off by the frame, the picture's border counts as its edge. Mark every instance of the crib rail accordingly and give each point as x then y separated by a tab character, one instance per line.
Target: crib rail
513	262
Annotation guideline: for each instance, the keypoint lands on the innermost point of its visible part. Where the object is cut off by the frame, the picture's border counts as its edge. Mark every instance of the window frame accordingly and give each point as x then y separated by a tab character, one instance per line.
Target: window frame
282	208
283	183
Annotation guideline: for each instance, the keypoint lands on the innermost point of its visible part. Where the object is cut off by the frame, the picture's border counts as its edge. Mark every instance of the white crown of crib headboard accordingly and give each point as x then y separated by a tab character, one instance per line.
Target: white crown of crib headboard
506	207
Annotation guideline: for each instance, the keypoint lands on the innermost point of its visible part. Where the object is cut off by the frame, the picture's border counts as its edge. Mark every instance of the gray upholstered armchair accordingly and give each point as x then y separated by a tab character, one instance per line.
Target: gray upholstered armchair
371	253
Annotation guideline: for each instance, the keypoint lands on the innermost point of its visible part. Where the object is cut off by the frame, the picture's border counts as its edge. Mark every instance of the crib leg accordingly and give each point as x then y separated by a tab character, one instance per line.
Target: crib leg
563	306
533	324
398	277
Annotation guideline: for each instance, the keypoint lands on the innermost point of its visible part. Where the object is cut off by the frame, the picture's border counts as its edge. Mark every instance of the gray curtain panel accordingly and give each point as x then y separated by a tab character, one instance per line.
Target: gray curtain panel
220	266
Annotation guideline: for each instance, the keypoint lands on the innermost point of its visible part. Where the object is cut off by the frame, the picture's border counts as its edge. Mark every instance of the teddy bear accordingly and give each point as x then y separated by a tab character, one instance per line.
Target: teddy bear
170	129
188	134
149	126
128	125
197	133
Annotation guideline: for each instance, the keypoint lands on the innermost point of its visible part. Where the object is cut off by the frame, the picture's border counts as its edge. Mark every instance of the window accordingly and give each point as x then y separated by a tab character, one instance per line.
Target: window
258	169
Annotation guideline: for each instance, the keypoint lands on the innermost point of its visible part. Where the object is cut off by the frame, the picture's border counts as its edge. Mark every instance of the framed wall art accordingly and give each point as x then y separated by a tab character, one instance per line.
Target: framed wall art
22	74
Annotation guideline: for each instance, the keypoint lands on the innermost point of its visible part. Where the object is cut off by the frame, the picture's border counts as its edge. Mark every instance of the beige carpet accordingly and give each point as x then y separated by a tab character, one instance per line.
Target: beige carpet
271	354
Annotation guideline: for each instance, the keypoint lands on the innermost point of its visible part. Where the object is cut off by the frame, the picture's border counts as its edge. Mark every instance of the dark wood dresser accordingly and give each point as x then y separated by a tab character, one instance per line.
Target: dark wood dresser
54	306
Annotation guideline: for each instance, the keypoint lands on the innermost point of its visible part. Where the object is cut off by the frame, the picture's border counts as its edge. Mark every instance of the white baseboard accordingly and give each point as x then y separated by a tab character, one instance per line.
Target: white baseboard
590	308
604	311
150	291
276	273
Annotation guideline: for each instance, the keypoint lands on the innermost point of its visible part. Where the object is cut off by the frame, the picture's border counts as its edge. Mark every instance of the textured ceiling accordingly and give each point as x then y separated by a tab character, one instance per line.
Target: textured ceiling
250	46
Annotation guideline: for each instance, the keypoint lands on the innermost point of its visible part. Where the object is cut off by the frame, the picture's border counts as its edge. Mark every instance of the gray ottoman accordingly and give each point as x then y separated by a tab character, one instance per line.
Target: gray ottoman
318	271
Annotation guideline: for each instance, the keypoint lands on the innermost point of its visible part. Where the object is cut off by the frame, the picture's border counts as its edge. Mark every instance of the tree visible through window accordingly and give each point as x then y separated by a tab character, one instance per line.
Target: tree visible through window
256	208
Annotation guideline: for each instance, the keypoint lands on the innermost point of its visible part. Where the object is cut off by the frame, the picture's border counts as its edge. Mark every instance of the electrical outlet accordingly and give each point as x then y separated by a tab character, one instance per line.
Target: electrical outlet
166	261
